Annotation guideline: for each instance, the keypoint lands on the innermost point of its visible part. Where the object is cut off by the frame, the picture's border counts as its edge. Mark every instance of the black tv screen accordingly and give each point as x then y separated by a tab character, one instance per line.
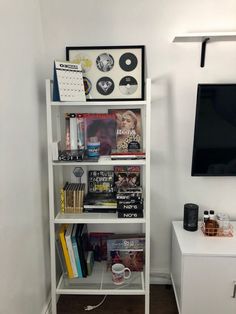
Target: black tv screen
214	144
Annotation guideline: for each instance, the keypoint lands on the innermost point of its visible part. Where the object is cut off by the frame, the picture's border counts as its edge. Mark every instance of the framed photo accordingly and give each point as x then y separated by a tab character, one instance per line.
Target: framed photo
109	72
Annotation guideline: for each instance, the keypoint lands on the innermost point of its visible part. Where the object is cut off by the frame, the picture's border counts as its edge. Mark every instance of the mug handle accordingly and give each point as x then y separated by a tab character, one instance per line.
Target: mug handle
129	271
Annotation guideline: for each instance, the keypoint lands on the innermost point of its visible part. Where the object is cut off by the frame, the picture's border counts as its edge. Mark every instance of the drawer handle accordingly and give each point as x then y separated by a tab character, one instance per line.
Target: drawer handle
234	291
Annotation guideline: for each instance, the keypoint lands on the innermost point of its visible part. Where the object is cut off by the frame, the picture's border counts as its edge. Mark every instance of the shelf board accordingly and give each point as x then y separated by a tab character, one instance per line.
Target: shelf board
103	161
99	103
96	218
199	37
100	283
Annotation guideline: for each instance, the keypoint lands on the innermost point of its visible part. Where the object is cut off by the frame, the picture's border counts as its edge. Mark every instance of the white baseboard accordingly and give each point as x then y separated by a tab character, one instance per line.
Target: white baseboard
160	277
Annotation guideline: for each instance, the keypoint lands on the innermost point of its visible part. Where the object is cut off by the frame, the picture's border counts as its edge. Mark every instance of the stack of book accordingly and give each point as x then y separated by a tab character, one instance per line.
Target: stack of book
72	198
103	203
72	248
100	197
128	154
130	202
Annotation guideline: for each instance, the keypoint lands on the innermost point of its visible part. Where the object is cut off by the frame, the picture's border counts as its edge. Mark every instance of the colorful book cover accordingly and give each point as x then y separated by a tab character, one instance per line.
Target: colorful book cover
65	251
133	259
127	249
76	252
104	127
129	128
100	181
82	244
70	249
126	176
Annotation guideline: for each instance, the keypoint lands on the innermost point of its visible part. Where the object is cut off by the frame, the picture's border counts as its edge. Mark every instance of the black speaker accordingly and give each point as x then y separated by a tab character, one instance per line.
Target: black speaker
190	217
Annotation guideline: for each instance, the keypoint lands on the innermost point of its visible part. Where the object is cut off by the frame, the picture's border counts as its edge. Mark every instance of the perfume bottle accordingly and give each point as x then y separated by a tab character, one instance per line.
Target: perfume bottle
211	226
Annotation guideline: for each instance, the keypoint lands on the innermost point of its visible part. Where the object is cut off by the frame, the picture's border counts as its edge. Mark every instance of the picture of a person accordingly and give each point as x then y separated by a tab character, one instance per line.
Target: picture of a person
133	180
128	129
121	180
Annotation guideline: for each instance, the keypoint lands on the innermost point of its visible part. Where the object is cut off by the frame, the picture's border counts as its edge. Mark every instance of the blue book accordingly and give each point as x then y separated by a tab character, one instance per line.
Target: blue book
76	253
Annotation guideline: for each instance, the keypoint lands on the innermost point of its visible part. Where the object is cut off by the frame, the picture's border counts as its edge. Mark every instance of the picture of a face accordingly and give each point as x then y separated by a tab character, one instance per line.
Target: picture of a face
105	62
127	122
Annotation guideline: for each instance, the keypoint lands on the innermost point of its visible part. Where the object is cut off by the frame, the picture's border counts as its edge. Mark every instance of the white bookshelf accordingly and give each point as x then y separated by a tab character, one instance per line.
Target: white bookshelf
99	283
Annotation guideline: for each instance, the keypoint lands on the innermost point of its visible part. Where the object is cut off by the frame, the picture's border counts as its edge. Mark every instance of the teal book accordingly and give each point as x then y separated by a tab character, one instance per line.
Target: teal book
75	249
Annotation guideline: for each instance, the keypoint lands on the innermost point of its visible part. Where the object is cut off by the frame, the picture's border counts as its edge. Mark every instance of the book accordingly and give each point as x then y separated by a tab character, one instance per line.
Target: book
100	181
65	251
61	254
98	244
132	154
72	197
73	131
129	128
130	207
70	249
126	176
131	258
127	249
82	244
130	214
76	252
100	203
102	126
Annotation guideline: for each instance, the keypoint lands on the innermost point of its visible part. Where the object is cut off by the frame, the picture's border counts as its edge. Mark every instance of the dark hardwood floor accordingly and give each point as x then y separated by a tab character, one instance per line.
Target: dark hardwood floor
162	301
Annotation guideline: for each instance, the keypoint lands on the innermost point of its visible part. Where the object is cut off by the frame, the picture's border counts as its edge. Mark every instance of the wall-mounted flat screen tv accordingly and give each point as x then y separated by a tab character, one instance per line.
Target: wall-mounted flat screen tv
214	144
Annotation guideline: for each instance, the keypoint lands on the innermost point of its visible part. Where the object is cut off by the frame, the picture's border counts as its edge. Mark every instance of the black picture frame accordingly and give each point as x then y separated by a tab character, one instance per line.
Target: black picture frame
111	72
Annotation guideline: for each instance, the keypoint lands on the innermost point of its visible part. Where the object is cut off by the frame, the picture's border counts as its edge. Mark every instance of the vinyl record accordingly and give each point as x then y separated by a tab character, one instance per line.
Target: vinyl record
128	85
105	62
84	60
128	61
105	85
87	85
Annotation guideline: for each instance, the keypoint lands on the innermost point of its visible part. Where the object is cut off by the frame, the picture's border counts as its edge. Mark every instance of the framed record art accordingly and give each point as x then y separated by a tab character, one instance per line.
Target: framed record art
110	72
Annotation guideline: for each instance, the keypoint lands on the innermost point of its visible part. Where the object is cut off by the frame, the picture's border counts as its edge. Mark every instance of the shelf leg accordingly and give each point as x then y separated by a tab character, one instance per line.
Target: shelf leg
203	52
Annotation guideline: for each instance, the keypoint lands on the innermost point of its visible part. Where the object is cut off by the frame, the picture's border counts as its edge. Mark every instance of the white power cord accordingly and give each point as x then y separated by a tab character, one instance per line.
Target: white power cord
92	307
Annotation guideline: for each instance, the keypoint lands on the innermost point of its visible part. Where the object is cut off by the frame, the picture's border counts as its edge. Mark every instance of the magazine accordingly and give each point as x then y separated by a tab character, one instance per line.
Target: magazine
129	128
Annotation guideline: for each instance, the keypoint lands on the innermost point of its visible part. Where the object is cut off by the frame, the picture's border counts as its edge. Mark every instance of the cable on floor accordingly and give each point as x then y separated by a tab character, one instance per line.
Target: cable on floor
92	307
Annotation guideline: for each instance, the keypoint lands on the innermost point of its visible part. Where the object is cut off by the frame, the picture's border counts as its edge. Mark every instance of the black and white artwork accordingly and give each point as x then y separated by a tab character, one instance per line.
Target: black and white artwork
110	73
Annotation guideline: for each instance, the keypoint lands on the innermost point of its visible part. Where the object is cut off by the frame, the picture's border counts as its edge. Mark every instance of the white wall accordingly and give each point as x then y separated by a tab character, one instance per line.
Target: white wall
24	263
175	71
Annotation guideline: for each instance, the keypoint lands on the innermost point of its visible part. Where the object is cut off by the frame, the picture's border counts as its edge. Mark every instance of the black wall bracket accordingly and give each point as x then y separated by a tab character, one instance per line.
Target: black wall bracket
203	52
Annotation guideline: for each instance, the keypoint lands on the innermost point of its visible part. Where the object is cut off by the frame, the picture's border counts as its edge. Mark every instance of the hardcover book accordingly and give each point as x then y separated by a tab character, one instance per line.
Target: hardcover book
129	128
65	251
